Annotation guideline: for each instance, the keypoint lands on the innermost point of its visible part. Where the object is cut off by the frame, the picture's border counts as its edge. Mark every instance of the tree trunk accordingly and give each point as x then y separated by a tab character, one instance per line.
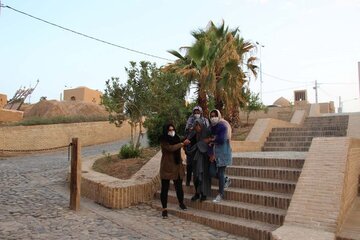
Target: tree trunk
131	132
236	118
219	104
202	100
137	146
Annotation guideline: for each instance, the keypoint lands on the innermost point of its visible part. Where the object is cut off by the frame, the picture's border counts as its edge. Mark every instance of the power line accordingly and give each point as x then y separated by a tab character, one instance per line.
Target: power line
328	83
343	83
282	79
85	35
284	89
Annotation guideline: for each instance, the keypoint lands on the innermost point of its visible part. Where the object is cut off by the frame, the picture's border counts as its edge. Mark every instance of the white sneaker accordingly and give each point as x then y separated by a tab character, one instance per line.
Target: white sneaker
227	182
217	199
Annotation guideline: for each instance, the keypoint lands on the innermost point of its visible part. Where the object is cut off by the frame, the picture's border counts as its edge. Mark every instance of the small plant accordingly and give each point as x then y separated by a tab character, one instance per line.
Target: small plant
107	155
129	151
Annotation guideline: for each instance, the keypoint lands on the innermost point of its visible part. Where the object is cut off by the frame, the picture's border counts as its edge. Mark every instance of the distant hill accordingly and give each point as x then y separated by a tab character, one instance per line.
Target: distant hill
54	108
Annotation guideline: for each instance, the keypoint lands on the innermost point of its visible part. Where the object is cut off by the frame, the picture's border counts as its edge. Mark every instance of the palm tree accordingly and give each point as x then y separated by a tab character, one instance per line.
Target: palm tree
215	62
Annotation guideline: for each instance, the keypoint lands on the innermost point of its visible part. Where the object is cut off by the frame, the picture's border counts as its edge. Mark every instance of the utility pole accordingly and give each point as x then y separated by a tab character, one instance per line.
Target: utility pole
261	79
316	91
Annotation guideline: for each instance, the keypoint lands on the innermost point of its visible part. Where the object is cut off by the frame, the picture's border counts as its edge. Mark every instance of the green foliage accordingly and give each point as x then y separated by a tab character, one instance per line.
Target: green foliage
59	120
219	63
252	104
151	93
129	151
113	100
168	105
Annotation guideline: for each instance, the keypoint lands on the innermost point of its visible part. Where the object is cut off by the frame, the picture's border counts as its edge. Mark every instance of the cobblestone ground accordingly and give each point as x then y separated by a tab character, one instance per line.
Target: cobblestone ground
34	203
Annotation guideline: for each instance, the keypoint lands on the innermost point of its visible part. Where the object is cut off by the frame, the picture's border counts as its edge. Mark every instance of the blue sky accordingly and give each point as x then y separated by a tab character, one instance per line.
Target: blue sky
304	41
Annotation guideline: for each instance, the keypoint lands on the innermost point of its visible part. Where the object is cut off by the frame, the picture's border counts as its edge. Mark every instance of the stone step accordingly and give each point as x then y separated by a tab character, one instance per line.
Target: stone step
261	198
323	123
285	149
290	139
291	174
312	128
233	208
287	144
342	125
328	118
238	226
261	184
308	134
268	161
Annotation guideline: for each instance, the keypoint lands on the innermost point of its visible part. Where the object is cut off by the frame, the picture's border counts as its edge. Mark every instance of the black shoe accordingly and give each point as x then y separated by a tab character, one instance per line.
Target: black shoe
182	206
202	198
164	214
195	197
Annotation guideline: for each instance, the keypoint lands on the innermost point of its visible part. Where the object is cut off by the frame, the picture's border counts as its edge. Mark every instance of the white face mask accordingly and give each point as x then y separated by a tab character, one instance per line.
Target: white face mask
197	116
214	120
171	133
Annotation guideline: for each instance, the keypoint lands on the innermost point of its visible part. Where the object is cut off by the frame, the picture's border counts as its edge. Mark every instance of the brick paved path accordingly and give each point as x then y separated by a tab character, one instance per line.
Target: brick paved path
34	203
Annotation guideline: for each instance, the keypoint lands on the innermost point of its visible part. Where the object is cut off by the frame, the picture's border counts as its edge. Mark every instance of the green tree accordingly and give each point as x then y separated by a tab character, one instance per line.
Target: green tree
252	104
113	100
219	62
168	98
149	94
137	96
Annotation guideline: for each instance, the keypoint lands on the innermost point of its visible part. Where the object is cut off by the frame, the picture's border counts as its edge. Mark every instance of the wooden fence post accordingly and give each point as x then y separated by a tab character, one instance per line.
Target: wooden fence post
75	175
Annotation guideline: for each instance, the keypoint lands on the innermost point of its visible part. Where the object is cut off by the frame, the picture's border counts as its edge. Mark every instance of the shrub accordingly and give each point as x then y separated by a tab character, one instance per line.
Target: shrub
129	151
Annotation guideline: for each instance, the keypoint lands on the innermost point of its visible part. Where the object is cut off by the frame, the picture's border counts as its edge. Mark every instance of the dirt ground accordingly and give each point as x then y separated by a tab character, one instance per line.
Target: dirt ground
123	168
240	134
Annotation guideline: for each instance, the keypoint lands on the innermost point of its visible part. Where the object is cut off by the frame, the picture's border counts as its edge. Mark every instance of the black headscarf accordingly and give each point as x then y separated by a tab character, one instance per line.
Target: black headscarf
172	141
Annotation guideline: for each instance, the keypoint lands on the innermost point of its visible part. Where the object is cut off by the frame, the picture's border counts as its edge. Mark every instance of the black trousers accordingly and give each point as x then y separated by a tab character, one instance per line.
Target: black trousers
165	183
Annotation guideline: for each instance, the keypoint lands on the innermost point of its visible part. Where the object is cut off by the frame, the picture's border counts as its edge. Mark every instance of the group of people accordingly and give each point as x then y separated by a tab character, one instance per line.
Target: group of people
208	152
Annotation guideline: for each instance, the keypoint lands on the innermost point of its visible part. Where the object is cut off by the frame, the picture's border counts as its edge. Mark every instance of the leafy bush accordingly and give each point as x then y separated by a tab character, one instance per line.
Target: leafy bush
154	124
129	151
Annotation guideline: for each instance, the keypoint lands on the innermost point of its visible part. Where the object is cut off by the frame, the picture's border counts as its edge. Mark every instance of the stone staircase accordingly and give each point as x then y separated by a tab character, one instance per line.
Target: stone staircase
256	202
299	138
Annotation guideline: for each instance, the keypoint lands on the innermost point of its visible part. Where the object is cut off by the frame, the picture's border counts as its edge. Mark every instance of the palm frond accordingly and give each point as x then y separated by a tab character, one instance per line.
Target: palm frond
176	54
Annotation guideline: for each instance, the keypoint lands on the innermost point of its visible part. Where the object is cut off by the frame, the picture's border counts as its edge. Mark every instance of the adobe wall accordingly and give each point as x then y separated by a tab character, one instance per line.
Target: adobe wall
353	125
258	134
83	94
281	113
51	136
3	100
92	96
273	112
7	115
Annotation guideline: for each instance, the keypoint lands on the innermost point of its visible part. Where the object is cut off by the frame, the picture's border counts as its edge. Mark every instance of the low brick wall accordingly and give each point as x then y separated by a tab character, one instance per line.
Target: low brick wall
51	136
325	192
117	193
353	125
10	115
258	134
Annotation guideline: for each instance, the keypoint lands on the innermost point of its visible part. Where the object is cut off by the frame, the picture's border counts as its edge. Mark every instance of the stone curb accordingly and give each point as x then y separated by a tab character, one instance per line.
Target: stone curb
117	193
